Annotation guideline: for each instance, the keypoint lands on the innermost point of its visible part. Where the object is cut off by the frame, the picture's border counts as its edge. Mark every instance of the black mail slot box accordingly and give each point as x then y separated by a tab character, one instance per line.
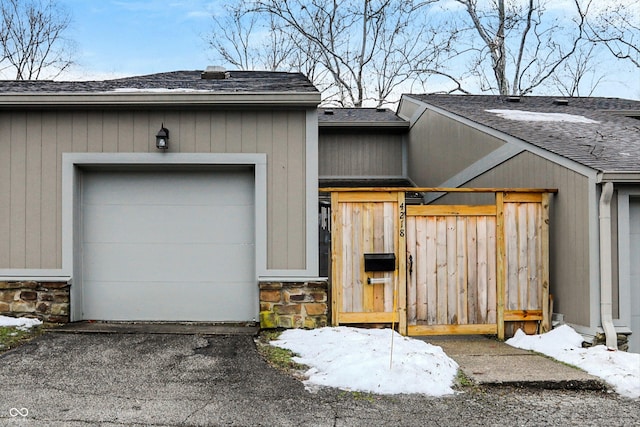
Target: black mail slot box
379	262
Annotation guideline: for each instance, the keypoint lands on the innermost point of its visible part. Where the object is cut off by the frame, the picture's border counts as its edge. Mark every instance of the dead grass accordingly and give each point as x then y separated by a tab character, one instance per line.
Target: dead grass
279	358
12	337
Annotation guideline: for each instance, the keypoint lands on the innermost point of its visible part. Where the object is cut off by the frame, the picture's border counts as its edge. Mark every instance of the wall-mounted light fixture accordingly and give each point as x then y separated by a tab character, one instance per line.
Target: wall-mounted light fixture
162	138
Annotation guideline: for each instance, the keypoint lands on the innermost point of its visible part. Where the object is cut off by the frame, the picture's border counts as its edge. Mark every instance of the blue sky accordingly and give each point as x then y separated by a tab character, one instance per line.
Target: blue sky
118	38
122	37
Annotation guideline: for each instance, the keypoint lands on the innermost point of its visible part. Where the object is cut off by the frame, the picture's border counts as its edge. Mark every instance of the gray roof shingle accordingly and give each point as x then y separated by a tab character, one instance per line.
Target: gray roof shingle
355	115
612	144
238	81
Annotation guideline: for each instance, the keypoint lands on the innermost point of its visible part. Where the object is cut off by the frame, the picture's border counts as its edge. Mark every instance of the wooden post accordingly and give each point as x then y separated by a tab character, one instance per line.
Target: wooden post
546	315
336	258
402	264
500	263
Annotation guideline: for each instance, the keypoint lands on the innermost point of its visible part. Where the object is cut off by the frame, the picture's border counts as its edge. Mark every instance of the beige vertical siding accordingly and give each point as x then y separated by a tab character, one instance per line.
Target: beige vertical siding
568	230
31	176
359	154
440	147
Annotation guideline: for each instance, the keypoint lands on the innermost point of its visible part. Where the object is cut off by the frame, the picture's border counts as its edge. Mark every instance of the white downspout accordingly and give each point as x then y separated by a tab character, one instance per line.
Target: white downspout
606	310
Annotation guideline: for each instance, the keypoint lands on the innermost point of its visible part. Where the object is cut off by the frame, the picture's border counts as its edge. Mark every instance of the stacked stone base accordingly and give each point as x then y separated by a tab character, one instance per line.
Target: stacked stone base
47	301
293	304
601	339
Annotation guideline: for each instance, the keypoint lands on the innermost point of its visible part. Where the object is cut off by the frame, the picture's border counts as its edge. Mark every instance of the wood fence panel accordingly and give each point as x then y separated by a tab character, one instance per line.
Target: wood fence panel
492	284
482	270
412	279
452	252
364	225
432	271
524	254
472	249
390	224
378	246
459	269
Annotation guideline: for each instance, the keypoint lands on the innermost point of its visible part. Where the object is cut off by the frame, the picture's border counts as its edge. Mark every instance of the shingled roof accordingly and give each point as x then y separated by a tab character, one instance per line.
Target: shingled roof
237	81
601	133
360	117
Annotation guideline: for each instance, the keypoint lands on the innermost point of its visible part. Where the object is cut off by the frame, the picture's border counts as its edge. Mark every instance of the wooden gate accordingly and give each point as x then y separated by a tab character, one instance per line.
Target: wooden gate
451	279
362	223
460	269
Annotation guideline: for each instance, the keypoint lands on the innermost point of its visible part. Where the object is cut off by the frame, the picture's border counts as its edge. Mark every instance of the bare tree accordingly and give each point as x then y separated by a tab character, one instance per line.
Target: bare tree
367	47
580	75
617	27
32	38
243	39
369	51
522	46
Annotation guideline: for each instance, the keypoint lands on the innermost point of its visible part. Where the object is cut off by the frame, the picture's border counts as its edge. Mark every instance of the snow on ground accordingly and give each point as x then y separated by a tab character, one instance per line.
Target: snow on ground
359	360
618	368
534	116
19	322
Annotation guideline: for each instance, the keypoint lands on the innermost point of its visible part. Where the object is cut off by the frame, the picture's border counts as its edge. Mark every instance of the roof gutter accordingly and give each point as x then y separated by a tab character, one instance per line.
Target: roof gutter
164	98
606	313
617	176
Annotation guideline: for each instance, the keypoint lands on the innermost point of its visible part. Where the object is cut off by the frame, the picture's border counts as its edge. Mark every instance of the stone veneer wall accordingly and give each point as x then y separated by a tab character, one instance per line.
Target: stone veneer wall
47	301
293	304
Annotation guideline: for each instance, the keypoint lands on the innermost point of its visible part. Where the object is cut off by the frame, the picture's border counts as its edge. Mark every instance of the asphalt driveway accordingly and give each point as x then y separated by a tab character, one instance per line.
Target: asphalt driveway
192	380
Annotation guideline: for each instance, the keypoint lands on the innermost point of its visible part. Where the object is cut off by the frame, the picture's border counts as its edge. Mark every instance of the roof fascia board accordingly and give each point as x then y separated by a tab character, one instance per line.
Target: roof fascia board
399	125
373	177
563	161
311	99
618	176
422	107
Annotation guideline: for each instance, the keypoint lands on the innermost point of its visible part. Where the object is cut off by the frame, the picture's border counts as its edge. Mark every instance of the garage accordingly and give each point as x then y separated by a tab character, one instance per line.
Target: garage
168	245
634	228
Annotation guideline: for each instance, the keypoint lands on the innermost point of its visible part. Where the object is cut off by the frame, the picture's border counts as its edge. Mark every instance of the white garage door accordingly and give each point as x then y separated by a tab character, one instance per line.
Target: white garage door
169	245
634	219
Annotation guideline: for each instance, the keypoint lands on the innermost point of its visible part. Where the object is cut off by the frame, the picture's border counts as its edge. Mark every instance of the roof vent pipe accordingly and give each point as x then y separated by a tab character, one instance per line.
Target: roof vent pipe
513	99
215	72
560	102
606	312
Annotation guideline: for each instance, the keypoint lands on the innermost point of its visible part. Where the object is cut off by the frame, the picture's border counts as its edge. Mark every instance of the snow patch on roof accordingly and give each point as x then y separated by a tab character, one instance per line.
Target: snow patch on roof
155	90
533	116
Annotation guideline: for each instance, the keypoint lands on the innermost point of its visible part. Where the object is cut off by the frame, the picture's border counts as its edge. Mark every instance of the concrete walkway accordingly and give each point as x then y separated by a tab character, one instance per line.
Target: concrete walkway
486	361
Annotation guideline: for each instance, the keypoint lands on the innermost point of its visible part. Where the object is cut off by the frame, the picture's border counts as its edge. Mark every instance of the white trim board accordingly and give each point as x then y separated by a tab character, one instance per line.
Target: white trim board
72	163
624	260
311	193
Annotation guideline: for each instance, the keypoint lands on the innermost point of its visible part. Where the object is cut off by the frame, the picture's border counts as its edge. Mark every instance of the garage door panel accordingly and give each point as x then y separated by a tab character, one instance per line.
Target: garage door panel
159	300
169	245
634	251
149	224
151	262
185	188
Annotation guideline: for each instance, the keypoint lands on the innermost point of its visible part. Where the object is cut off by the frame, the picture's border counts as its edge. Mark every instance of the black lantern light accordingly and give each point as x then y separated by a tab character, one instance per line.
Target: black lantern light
162	138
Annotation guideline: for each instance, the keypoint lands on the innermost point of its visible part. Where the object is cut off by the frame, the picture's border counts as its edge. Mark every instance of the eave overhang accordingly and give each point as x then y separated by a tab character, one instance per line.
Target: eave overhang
369	125
159	99
618	177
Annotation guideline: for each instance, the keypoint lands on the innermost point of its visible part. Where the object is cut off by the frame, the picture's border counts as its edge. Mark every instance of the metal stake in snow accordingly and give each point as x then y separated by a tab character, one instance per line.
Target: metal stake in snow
393	322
